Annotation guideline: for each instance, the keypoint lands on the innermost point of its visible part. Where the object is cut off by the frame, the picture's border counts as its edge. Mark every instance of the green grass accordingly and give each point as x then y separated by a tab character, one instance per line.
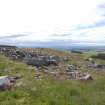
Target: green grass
49	91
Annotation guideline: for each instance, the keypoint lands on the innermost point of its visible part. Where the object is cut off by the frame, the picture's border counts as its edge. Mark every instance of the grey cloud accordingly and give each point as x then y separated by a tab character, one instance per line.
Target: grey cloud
100	23
13	36
102	5
101	9
11	39
61	35
50	43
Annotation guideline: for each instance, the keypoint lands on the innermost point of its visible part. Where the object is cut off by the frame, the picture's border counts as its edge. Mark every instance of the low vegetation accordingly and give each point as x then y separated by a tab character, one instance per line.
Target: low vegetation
99	56
48	91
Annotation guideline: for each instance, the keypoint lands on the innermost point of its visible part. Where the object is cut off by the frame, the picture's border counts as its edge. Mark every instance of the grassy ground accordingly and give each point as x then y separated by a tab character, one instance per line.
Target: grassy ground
49	91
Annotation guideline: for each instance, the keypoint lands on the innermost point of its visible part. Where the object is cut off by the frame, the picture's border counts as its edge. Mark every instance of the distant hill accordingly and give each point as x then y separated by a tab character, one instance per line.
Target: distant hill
7	46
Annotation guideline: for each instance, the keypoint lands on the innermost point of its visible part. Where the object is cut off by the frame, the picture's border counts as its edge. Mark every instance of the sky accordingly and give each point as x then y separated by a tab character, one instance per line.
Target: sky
29	22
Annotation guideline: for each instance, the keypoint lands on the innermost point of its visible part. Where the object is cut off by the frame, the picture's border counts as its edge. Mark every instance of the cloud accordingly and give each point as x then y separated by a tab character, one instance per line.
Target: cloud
52	22
13	36
102	5
101	9
12	39
97	24
61	35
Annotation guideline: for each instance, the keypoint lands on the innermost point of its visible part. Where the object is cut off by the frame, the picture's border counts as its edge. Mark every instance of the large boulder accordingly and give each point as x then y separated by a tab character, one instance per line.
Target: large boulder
40	61
7	82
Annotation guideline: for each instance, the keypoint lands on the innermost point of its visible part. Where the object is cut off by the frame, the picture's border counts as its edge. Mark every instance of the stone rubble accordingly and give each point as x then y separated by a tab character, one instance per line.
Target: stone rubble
44	60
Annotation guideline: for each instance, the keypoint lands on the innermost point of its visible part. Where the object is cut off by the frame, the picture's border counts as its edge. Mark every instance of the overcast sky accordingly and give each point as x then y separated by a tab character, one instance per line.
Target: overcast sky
72	21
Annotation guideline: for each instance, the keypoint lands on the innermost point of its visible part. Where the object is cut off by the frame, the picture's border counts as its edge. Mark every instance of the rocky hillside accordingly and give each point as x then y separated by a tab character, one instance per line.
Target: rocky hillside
47	86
